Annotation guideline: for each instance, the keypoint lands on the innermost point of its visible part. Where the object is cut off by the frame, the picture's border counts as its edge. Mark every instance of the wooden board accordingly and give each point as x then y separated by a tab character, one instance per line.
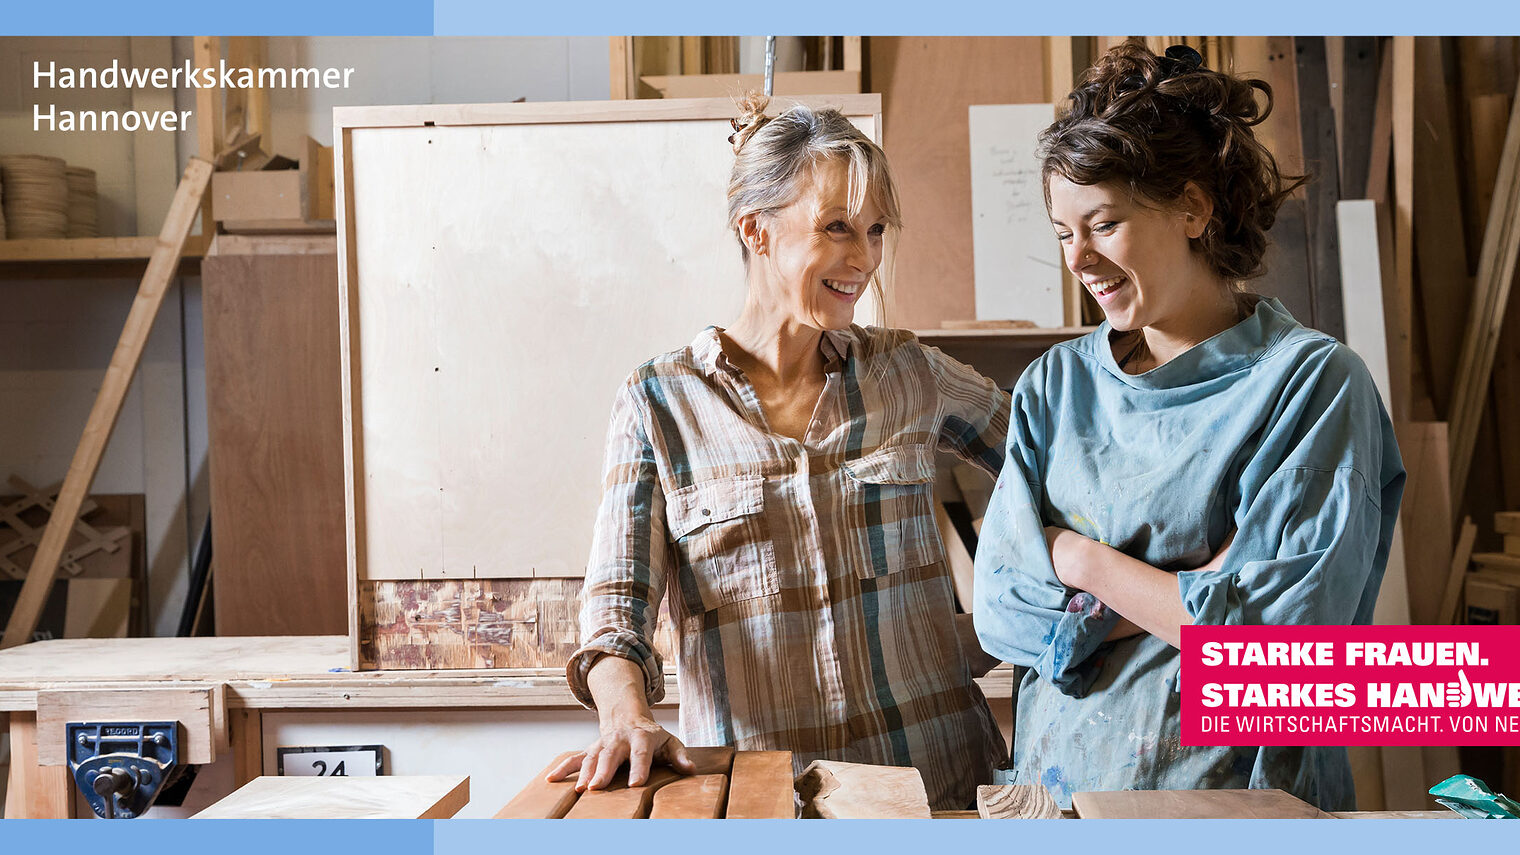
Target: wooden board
830	789
1425	517
760	786
692	797
1460	558
1507	522
1321	158
201	710
541	798
927	84
1016	801
620	801
385	797
1365	331
1193	804
274	423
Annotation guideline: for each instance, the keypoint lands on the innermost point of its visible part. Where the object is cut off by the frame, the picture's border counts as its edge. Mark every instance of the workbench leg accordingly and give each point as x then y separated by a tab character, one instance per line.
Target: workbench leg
35	792
247	745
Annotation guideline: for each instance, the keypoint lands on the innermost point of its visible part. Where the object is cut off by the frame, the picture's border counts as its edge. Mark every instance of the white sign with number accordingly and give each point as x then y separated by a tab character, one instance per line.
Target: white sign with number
354	761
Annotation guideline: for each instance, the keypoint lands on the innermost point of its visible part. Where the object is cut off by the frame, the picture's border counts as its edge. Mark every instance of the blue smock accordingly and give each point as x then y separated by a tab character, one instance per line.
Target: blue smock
1268	428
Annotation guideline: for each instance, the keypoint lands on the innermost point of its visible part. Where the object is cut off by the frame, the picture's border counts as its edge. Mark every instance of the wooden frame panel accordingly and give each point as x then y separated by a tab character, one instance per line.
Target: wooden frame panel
493	259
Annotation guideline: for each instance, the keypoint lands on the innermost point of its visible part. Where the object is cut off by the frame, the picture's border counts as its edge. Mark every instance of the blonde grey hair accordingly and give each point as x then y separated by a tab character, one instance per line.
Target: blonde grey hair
773	154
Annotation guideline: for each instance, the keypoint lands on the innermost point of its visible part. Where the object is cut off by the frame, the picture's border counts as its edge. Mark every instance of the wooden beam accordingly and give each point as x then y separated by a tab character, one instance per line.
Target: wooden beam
108	402
1402	298
1360	70
1458	574
246	730
621	67
1321	158
35	791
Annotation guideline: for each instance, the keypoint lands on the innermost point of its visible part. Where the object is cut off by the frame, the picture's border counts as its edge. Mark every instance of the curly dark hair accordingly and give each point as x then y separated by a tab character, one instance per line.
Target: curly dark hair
1154	123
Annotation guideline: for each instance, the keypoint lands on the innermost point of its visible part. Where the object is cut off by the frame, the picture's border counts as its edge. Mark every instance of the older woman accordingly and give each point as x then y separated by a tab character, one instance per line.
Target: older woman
774	477
1196	413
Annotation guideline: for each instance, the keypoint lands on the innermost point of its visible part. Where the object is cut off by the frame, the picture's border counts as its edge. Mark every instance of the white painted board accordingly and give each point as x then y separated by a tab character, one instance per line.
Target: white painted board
1017	259
1366	333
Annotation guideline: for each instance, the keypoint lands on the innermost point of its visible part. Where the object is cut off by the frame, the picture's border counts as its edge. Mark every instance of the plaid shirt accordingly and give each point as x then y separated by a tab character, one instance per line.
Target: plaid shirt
813	606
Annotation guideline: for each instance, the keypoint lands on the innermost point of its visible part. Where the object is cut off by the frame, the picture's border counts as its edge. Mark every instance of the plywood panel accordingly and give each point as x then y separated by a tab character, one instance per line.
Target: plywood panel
1194	804
927	84
388	797
548	252
274	419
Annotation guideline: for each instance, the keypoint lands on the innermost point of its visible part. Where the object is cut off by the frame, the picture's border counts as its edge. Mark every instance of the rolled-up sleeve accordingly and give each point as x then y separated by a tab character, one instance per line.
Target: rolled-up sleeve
1023	613
626	575
974	422
1310	550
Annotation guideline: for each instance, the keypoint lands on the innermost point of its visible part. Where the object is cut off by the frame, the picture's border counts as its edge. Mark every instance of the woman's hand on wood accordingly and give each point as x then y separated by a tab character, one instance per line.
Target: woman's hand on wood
639	742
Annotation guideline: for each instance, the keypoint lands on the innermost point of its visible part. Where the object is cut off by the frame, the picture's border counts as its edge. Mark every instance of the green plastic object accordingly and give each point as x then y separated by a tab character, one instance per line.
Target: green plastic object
1473	799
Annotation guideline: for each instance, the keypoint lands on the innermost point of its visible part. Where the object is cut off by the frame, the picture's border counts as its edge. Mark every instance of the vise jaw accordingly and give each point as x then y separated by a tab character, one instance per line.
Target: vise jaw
121	767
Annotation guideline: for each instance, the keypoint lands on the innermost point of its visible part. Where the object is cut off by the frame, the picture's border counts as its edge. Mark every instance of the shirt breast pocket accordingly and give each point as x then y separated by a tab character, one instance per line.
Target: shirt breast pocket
722	542
891	496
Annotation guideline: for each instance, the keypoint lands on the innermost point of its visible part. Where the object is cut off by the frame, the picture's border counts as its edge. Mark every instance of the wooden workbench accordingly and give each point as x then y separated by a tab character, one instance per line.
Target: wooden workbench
270	681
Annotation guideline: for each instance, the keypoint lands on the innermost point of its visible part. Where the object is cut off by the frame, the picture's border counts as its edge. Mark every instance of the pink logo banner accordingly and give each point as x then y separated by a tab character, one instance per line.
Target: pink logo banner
1350	685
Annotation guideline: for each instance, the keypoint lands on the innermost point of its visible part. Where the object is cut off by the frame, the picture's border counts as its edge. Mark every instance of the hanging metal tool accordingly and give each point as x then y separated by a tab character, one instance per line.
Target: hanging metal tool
770	66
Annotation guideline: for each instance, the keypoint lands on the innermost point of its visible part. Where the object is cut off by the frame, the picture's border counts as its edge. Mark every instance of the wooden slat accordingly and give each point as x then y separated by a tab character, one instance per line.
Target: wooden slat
1401	299
384	797
711	760
541	798
761	786
620	801
108	402
693	797
1016	801
620	66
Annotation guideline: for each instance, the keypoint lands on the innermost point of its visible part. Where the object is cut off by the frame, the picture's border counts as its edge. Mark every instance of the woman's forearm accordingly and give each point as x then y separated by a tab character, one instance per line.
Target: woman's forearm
1145	596
617	686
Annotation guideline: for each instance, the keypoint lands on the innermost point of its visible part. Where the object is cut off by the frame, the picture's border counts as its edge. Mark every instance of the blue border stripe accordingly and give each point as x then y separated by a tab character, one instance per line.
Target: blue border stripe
185	18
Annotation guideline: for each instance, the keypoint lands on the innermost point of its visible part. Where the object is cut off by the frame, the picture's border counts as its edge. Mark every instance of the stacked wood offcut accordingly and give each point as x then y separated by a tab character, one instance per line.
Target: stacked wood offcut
36	196
83	203
1493	588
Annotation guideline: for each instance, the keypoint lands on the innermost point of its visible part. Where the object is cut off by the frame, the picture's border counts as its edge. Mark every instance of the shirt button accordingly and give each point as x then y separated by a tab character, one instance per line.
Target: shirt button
706	512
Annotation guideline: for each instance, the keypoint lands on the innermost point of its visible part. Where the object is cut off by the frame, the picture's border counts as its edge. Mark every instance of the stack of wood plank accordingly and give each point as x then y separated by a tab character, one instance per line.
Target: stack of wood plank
1493	589
727	784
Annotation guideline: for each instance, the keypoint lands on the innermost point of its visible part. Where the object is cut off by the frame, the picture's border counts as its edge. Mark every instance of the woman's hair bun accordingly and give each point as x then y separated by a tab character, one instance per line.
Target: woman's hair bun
751	118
